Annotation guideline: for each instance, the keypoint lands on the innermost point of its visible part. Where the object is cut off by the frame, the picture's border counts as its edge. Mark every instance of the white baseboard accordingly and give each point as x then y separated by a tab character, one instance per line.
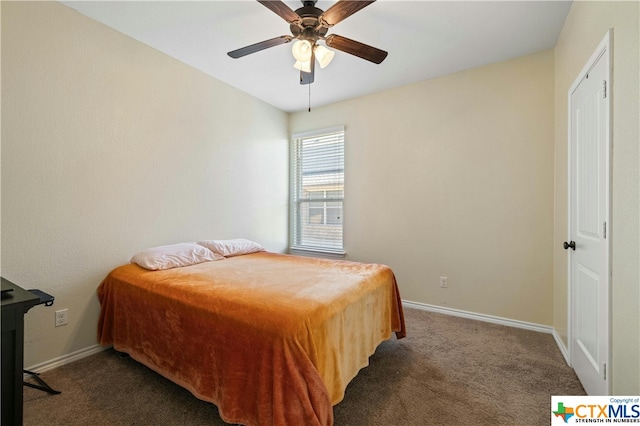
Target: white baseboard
66	359
480	317
82	353
563	349
493	319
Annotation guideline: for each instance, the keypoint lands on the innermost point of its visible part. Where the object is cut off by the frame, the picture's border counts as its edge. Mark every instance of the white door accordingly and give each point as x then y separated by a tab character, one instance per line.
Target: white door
589	225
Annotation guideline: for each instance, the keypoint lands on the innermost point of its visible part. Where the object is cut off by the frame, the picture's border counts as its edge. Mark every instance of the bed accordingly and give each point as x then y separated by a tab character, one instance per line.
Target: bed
270	339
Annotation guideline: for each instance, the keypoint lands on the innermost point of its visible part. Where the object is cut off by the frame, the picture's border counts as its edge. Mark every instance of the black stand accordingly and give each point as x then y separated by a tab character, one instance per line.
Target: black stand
43	386
47	300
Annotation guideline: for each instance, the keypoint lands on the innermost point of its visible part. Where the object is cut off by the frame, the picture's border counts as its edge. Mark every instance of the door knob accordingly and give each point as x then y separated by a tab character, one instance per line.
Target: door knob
572	244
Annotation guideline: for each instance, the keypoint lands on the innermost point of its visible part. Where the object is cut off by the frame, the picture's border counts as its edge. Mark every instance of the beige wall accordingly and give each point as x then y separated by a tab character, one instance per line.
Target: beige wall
584	28
454	177
108	147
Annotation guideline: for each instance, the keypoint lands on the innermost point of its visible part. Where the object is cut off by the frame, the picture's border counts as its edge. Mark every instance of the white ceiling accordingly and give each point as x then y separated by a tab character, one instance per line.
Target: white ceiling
425	39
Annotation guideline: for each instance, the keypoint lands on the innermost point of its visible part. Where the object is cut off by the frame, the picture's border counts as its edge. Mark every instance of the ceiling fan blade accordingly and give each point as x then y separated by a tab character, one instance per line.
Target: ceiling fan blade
307	77
282	10
342	10
356	48
243	51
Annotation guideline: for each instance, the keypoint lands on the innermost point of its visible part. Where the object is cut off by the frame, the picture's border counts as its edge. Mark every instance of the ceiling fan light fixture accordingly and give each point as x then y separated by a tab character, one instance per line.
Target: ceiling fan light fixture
304	66
302	50
324	55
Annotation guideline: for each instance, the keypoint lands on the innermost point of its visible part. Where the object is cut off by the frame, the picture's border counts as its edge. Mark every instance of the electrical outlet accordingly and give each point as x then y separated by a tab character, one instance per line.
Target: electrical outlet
61	317
444	283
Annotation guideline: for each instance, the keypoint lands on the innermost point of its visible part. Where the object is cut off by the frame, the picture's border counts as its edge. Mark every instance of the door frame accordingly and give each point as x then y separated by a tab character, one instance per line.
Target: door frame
605	46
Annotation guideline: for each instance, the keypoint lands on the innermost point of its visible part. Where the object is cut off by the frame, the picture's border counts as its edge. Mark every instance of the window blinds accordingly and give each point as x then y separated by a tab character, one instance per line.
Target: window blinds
318	191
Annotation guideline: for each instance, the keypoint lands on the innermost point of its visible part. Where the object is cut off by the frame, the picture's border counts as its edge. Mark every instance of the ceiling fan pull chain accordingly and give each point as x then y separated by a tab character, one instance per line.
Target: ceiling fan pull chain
309	97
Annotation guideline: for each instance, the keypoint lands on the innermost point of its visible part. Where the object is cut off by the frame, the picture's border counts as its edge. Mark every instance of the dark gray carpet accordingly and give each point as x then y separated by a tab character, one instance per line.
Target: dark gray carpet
447	371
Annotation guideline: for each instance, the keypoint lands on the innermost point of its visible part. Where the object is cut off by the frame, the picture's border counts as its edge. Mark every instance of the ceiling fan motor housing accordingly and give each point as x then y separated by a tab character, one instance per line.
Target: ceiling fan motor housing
310	29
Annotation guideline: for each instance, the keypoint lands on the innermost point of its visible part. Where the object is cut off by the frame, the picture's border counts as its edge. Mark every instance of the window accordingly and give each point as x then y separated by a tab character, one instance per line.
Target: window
317	191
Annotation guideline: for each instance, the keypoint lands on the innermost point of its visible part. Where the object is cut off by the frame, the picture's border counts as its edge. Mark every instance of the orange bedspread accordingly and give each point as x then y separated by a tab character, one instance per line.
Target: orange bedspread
268	338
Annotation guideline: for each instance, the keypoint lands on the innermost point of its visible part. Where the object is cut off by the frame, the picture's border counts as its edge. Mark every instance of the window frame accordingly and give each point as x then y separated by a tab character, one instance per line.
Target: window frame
295	200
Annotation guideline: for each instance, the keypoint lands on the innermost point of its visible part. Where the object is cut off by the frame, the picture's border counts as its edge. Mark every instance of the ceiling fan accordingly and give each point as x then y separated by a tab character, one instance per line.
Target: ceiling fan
309	25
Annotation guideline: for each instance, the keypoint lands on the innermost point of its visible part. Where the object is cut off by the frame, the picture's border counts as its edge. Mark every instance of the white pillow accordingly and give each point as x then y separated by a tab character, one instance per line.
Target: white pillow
229	248
173	256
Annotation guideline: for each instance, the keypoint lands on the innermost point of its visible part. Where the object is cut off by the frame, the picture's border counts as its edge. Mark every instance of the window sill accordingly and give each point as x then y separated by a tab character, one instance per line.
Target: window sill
309	252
